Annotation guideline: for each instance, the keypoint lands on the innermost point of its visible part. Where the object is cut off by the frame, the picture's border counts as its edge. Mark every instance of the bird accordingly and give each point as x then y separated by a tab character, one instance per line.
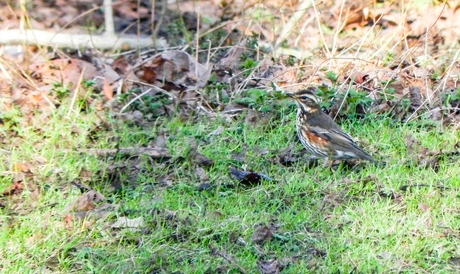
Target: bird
319	134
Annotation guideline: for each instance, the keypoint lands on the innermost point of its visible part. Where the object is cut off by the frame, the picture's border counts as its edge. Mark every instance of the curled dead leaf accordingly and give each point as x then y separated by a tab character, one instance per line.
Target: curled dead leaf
423	207
202	160
248	178
86	201
261	234
201	174
175	67
268	267
14	189
64	71
359	77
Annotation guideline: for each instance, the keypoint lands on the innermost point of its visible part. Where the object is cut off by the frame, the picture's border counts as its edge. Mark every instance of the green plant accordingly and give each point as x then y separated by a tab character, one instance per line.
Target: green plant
351	101
147	104
331	75
87	84
10	119
247	66
61	90
263	101
451	99
388	58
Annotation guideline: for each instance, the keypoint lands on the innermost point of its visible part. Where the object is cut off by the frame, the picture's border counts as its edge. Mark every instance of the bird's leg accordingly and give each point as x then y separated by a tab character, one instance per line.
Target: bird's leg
326	162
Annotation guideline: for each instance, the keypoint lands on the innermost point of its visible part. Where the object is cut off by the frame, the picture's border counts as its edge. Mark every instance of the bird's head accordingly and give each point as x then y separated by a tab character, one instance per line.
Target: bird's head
306	100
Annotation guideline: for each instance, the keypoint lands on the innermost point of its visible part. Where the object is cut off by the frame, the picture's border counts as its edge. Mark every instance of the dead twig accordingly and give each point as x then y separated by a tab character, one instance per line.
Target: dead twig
154	152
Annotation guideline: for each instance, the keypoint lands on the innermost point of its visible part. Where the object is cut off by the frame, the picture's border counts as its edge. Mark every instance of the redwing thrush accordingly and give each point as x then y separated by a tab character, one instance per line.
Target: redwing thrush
319	134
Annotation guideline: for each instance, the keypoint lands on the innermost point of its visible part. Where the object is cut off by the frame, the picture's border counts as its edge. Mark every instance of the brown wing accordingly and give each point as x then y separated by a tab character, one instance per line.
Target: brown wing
340	142
336	137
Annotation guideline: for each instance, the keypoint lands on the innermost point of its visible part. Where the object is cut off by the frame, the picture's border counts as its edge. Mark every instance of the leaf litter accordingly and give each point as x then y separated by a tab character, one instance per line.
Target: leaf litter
248	178
174	81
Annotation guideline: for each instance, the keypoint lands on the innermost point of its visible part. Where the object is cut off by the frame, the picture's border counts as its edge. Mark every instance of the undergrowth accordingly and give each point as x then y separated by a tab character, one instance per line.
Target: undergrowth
340	219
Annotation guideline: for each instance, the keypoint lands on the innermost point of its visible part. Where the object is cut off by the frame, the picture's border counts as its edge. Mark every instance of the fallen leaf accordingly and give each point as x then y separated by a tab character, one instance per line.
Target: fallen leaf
34	191
201	174
268	267
86	201
14	189
100	212
359	77
248	178
202	160
34	238
261	234
20	167
204	187
436	114
423	207
217	131
232	58
63	71
175	67
454	261
160	141
68	224
107	90
239	157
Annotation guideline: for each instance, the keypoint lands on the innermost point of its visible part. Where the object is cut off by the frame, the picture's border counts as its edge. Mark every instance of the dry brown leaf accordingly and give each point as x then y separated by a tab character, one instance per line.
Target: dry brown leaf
201	174
269	267
107	90
178	68
34	191
359	77
131	10
262	234
63	71
14	189
232	59
423	207
415	98
207	8
100	212
86	201
248	178
239	157
202	160
20	167
34	238
68	223
120	65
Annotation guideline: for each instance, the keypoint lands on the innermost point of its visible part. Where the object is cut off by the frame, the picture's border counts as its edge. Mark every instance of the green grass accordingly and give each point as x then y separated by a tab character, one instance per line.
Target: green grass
324	220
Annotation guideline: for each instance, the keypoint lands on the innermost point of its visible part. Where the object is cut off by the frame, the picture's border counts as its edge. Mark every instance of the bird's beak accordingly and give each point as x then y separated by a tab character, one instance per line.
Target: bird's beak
290	94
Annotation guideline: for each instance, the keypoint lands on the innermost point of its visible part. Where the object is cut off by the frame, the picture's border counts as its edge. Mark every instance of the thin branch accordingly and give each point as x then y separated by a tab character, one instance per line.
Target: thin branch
75	41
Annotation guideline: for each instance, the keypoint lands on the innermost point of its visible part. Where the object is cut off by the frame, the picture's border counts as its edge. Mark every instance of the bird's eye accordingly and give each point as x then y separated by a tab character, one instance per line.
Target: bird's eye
304	97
